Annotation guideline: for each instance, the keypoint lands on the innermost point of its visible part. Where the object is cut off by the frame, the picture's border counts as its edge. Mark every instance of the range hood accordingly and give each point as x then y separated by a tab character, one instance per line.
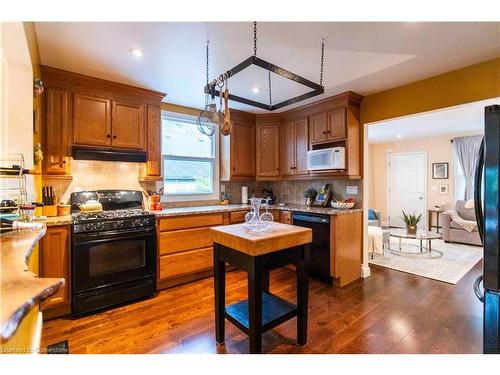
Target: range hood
106	154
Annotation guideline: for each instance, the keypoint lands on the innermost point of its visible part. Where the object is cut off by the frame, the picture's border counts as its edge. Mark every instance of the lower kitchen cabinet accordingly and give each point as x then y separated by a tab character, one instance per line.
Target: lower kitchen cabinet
55	262
185	248
346	247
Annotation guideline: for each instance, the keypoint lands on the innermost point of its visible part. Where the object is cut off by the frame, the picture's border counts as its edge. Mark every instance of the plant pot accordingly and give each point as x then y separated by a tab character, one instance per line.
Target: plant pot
309	201
411	229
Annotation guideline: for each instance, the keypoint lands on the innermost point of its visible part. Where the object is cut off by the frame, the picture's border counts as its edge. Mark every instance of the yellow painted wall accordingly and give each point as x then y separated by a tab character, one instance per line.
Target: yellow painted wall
470	84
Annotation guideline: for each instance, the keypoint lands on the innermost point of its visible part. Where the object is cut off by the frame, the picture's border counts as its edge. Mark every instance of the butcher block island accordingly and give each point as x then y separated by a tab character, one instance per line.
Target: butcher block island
257	253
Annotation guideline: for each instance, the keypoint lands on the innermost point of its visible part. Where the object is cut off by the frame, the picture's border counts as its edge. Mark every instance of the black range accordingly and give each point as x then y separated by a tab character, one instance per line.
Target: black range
113	254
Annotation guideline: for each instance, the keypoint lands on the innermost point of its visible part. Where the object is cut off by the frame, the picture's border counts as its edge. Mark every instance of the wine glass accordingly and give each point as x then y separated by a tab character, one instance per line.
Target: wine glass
267	217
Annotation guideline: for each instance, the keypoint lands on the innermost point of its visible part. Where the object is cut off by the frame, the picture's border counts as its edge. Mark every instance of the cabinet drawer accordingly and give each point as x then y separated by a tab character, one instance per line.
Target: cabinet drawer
286	217
185	263
181	240
191	221
237	217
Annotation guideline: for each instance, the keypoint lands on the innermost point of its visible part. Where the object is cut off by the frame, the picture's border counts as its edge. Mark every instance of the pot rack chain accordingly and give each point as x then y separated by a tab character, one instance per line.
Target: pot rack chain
322	59
255	38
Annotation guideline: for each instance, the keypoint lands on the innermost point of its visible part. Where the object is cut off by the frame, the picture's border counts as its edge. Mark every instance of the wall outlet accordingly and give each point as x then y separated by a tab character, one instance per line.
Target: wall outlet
223	188
351	190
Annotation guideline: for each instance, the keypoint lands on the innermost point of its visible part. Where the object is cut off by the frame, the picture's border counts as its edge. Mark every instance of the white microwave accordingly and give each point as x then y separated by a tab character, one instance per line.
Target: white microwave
326	159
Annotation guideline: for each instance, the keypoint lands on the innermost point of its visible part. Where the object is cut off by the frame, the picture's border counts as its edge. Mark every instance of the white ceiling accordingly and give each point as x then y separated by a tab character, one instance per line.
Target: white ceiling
454	120
363	57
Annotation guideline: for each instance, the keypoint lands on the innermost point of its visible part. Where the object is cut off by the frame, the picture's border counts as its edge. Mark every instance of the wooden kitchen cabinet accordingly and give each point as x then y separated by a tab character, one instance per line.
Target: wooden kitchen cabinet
57	132
268	148
92	120
294	144
55	262
327	126
336	124
318	128
127	125
237	150
152	170
185	248
86	111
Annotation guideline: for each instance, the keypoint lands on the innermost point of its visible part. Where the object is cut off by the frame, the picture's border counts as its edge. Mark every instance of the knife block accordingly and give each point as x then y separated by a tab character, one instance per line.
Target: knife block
49	210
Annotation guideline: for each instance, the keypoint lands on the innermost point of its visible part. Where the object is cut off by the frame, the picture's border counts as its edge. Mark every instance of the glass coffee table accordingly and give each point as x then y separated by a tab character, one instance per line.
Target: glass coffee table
424	246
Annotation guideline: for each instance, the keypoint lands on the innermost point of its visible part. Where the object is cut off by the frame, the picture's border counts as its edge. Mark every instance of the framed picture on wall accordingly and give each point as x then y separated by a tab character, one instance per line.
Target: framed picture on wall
440	171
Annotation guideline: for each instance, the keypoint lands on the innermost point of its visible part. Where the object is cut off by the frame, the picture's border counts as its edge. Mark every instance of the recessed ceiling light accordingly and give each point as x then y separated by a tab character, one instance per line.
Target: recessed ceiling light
137	52
399	136
255	90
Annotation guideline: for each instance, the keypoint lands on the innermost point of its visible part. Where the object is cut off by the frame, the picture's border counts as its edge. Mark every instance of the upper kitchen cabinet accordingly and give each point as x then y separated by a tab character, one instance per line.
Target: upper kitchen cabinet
128	125
328	126
267	147
333	122
92	120
237	150
152	170
57	132
294	146
91	112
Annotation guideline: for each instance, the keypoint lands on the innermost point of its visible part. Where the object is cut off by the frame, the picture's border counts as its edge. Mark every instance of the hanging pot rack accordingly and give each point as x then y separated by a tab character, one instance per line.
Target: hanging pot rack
213	88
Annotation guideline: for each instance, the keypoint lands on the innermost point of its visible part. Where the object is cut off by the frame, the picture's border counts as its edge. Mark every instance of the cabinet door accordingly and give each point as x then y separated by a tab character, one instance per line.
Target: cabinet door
153	125
288	149
337	128
128	125
55	261
56	132
92	121
318	128
268	145
242	150
301	147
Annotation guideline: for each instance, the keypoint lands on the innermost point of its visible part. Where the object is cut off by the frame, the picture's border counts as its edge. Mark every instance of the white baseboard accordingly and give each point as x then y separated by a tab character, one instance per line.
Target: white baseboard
365	271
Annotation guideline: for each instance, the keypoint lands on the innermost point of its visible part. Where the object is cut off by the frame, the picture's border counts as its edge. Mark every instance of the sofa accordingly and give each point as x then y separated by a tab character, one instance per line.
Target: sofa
452	232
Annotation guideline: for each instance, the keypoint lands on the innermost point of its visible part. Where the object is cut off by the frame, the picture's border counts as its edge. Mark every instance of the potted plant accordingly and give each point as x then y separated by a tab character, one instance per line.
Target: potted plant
224	198
411	222
310	195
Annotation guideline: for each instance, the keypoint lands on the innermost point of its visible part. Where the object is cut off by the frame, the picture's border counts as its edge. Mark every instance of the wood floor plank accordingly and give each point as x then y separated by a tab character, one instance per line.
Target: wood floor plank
389	312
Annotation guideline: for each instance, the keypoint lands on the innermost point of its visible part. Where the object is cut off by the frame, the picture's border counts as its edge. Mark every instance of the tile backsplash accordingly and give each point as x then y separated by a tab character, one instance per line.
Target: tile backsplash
95	175
291	191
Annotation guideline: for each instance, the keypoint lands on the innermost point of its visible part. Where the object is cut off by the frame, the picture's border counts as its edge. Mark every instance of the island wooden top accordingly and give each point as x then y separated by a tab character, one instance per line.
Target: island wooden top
281	236
20	288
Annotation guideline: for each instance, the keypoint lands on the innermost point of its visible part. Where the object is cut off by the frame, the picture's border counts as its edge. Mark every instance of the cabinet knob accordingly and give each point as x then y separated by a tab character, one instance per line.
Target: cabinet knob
108	135
325	132
114	137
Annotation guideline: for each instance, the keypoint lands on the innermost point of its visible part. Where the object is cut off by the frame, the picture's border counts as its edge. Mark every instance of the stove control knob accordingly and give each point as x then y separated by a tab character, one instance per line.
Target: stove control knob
99	226
118	224
88	226
138	223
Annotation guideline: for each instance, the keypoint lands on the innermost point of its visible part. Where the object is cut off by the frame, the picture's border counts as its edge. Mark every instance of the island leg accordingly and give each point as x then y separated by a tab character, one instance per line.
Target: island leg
255	281
302	296
220	294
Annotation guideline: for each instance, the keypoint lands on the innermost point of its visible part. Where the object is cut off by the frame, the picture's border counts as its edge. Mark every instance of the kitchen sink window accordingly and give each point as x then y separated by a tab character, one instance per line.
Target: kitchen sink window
190	163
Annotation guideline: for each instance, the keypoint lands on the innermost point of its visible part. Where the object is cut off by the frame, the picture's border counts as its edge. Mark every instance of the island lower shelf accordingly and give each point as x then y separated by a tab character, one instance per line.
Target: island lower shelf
275	310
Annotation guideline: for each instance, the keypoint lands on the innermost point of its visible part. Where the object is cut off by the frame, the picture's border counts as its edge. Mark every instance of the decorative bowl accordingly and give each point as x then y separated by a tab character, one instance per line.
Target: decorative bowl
342	205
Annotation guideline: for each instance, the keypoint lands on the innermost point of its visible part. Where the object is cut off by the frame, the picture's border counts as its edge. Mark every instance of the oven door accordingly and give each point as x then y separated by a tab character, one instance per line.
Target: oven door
106	259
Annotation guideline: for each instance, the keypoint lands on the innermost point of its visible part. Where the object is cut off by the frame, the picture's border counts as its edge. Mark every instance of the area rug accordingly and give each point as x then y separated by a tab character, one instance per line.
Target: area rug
456	260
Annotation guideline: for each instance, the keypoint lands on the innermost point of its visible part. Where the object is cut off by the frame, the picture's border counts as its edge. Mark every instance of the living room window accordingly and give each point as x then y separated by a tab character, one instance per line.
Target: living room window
189	160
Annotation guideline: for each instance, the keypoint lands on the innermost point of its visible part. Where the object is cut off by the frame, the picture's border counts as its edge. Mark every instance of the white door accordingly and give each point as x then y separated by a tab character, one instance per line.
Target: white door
407	187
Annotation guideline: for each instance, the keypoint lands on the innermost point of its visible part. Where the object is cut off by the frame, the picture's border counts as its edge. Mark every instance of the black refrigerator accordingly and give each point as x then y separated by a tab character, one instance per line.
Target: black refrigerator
487	183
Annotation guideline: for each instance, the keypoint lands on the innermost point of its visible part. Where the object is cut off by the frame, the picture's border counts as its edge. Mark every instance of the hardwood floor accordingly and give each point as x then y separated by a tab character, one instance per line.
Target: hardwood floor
389	312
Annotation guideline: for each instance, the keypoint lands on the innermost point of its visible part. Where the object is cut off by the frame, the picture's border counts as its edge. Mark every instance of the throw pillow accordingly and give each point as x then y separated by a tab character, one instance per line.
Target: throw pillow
371	214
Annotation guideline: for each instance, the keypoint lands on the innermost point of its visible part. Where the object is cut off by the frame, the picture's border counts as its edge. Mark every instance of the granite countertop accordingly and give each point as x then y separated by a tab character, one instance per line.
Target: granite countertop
20	289
239	207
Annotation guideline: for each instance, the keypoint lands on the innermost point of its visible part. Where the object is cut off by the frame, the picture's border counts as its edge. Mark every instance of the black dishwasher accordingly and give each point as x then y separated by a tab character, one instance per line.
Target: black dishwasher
320	246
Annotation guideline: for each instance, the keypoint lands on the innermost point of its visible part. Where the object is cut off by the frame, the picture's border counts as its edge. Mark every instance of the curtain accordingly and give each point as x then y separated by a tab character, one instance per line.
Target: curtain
467	149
